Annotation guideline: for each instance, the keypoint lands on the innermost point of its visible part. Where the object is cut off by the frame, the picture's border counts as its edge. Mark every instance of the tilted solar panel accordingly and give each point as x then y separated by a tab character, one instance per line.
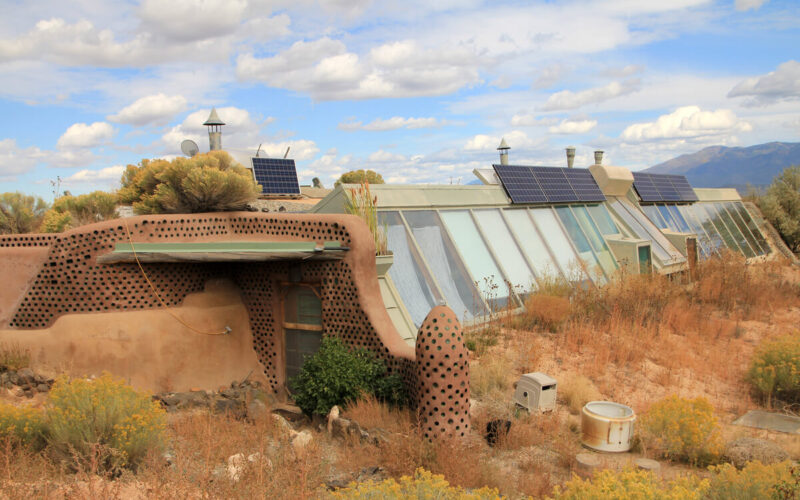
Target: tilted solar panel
685	191
643	183
276	176
664	185
548	184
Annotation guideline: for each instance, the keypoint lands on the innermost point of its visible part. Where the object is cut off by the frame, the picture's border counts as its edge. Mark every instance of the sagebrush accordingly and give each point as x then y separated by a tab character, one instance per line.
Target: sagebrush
683	429
775	369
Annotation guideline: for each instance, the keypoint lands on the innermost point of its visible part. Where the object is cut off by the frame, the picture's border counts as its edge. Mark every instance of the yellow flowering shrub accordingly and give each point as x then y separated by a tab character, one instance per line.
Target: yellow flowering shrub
82	414
424	484
683	429
755	482
630	484
775	369
22	424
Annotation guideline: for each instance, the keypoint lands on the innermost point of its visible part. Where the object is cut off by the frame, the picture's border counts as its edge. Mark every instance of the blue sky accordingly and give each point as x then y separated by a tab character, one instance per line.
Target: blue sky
419	91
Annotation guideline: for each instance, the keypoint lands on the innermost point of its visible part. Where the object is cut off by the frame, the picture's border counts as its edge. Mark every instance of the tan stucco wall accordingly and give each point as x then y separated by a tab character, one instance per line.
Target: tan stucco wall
151	349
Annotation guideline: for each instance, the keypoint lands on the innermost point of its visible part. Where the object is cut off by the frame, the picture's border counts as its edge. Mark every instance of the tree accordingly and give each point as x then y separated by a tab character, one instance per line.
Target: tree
781	206
20	213
210	182
73	211
317	183
359	176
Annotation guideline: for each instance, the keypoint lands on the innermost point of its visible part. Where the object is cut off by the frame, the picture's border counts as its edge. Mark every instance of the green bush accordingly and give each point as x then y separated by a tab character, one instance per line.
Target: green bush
683	429
335	375
20	213
775	369
359	177
781	206
210	182
23	425
82	414
72	211
755	482
629	484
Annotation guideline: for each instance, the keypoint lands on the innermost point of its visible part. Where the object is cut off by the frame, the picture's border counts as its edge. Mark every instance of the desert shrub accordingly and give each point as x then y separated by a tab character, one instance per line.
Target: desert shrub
479	340
13	357
629	484
775	369
781	206
210	182
72	211
489	374
683	429
423	484
22	424
361	203
754	482
335	375
359	176
576	391
546	311
20	213
84	414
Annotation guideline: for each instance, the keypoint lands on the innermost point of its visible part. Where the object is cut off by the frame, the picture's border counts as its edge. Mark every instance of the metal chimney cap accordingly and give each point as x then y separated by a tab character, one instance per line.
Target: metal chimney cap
598	157
503	145
213	118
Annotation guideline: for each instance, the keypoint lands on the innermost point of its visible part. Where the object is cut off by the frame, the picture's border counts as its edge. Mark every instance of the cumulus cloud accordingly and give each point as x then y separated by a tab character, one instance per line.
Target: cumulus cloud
157	109
549	76
240	129
688	122
749	4
16	160
103	175
567	99
484	142
82	135
527	120
393	123
573	127
781	84
326	70
189	20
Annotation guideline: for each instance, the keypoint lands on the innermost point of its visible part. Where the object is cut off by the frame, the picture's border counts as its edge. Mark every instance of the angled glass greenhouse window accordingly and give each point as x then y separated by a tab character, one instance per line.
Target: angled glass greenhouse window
603	219
704	220
506	249
740	223
408	272
670	221
734	230
678	218
655	217
646	230
581	242
751	224
532	244
568	260
591	231
482	266
703	241
445	264
721	229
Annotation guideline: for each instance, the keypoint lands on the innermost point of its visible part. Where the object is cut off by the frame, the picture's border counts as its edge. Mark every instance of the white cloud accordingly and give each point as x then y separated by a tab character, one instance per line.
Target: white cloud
549	76
778	85
484	142
266	28
567	99
16	160
749	4
70	157
688	122
532	121
393	123
573	127
381	156
189	20
103	175
81	135
157	109
241	130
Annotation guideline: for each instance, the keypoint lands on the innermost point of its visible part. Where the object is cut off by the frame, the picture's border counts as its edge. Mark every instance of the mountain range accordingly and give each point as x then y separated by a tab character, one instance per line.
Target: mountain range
721	166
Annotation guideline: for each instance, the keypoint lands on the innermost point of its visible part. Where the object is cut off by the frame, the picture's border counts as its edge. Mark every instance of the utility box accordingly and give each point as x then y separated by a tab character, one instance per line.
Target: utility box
536	392
632	254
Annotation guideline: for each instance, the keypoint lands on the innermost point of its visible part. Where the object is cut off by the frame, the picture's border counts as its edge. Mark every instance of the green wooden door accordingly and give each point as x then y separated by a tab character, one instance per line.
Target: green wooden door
302	327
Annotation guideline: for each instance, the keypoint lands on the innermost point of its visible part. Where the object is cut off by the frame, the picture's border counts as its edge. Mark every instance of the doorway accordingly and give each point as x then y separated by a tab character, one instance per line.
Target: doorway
302	327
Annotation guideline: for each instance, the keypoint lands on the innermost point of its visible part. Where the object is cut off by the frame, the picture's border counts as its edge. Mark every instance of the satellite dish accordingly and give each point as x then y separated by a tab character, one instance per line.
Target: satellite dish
189	147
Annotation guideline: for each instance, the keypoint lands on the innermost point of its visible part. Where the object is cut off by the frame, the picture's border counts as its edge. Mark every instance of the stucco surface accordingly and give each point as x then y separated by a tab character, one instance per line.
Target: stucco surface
150	348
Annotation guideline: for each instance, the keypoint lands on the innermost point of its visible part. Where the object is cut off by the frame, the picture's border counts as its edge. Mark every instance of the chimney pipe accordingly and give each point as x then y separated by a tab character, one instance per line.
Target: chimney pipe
503	148
598	157
570	156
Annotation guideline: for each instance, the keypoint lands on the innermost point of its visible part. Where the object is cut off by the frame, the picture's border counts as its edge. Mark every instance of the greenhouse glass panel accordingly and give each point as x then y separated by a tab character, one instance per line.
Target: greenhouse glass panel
734	230
408	273
551	230
445	264
664	213
706	246
603	219
721	229
532	245
596	239
490	281
581	242
651	211
705	221
678	218
505	248
644	229
751	224
737	219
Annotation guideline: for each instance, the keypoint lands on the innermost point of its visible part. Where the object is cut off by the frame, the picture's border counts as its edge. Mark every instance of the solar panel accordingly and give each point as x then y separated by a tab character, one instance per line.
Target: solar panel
276	176
548	184
663	187
520	184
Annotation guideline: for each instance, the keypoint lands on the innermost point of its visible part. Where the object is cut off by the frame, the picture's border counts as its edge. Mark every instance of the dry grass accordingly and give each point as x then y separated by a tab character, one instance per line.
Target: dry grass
13	357
372	414
577	390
